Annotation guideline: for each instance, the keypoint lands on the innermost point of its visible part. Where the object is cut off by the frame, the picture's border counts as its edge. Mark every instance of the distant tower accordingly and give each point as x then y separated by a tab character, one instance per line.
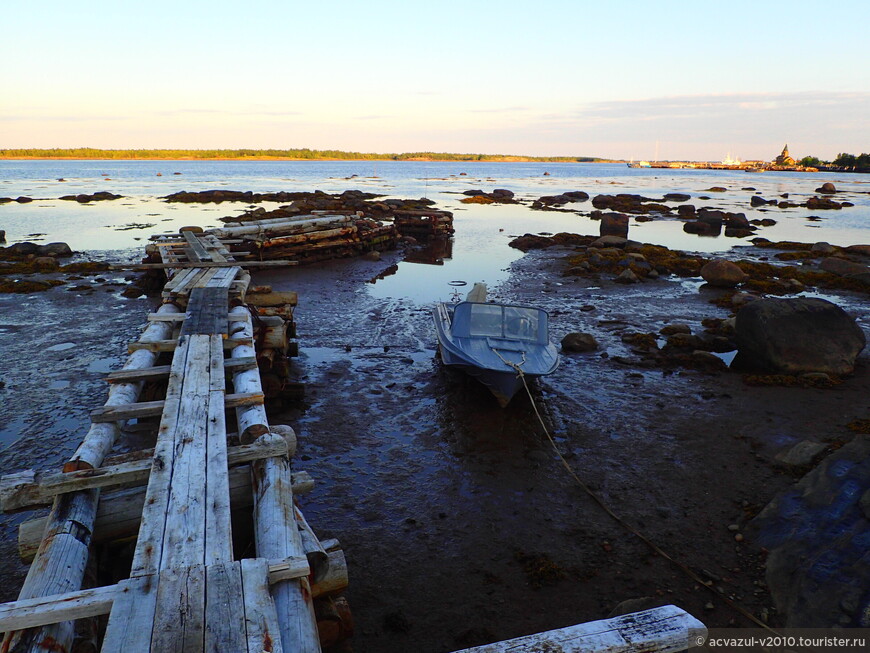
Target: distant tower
784	159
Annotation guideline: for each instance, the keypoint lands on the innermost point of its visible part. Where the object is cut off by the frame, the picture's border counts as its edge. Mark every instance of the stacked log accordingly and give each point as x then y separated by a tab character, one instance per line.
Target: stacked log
424	224
309	238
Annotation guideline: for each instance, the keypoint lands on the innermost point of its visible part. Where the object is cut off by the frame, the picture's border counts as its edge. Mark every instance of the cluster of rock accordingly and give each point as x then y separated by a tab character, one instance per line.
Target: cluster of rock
21	260
552	202
498	196
709	222
29	251
82	198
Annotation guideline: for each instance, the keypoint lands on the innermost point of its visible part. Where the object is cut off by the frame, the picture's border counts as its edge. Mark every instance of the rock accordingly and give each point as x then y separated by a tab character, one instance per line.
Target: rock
736	232
55	249
863	250
758	200
502	192
614	224
701	228
579	342
737	220
795	336
822	203
842	267
2	236
610	241
733	528
711	217
671	329
717	189
132	292
827	187
473	193
801	454
683	341
46	262
723	274
686	211
677	197
823	248
373	255
627	276
22	249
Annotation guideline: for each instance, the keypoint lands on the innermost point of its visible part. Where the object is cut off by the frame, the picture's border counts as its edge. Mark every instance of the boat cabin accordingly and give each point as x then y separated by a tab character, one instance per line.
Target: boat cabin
473	320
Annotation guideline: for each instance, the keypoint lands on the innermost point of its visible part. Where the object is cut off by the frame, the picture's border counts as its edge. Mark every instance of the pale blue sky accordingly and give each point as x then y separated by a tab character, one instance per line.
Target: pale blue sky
544	78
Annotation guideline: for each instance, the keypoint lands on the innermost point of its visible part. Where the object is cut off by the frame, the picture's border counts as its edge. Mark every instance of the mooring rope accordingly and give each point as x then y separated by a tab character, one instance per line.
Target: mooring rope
619	520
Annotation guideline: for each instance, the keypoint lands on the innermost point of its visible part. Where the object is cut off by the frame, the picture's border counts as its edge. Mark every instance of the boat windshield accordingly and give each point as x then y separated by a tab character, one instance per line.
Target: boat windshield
511	322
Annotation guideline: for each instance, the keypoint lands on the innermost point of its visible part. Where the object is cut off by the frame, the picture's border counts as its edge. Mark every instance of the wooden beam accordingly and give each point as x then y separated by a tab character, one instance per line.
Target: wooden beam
170	345
26	490
183	265
43	610
197	246
180	317
153	408
162	371
664	629
119	513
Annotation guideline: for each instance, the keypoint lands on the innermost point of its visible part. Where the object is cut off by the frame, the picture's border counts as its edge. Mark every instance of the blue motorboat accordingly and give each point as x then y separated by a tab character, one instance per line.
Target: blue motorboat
498	344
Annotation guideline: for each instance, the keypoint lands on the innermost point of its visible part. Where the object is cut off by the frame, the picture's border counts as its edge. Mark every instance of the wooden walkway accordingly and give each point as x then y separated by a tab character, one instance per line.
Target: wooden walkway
186	590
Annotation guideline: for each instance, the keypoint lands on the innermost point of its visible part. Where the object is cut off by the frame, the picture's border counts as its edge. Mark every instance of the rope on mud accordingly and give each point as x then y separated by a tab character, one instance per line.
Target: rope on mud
619	520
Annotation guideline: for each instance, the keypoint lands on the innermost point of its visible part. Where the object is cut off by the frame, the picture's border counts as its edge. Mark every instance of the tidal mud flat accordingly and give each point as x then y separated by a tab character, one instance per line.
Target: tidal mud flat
458	521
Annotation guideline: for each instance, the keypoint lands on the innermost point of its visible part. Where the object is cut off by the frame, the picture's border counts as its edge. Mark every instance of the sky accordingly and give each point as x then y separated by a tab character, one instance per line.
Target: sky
662	79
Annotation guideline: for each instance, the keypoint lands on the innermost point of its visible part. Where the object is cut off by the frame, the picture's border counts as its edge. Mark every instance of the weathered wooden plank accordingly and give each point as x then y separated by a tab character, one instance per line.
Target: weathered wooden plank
25	490
44	610
179	624
225	278
170	345
207	312
224	609
197	247
661	629
218	530
180	277
261	618
176	317
153	408
149	545
185	525
120	513
161	371
131	621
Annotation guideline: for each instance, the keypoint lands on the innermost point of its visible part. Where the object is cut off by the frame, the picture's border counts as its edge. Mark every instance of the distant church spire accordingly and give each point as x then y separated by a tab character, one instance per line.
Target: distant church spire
784	159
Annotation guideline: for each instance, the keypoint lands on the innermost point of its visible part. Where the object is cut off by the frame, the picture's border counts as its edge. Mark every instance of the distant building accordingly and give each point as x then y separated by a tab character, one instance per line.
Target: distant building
784	159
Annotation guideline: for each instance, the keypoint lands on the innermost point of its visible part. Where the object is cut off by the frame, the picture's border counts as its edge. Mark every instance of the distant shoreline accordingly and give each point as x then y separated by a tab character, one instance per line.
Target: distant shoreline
284	158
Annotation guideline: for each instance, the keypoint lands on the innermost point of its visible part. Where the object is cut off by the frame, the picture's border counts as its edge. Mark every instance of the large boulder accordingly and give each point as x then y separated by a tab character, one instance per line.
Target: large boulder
796	336
55	249
723	274
614	224
579	342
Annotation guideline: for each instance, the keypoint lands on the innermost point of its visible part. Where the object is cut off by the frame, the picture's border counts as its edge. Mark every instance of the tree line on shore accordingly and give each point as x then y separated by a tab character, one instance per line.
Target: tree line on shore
304	154
860	163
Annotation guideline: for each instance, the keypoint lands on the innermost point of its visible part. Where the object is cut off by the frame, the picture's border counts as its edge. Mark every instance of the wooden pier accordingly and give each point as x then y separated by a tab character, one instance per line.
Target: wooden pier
187	589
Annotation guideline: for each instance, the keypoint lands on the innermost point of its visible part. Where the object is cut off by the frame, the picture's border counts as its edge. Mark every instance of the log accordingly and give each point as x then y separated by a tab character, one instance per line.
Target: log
307	238
336	579
318	558
276	534
286	226
184	265
272	334
285	298
120	512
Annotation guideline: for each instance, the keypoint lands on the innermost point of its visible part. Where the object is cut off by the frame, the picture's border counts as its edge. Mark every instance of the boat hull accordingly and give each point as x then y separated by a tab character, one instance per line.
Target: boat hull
502	365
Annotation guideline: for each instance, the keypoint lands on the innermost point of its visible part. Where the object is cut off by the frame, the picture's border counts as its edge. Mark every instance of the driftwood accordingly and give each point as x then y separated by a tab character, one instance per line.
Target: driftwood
664	629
